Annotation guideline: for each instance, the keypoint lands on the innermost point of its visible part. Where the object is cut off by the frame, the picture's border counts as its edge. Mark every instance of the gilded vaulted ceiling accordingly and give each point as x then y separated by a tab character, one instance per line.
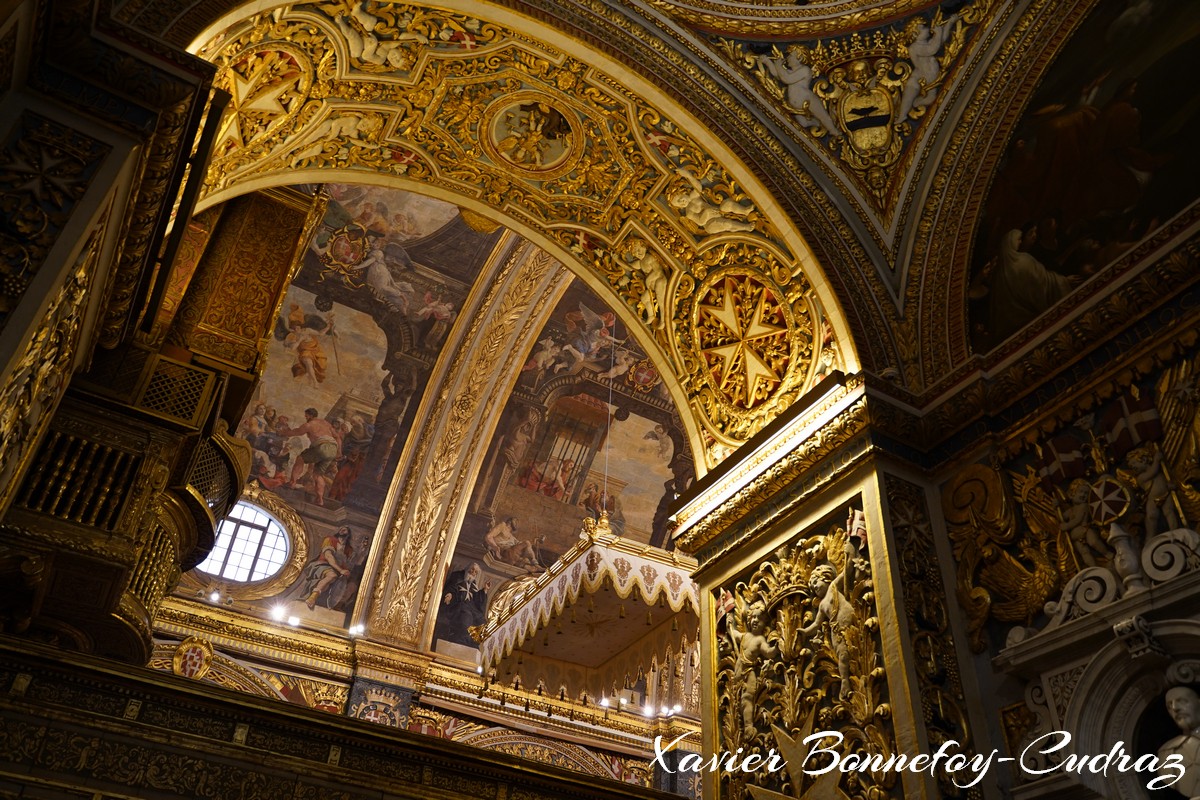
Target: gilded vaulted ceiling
868	136
696	251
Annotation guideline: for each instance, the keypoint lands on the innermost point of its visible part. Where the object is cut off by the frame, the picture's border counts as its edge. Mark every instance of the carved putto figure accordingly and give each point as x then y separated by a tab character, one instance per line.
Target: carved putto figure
728	217
652	303
925	41
1077	522
834	608
1147	465
799	643
795	73
752	648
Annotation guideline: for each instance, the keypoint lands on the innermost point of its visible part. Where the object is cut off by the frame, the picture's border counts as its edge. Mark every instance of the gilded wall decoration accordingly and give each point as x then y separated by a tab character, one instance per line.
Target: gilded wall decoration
379	703
34	387
469	107
943	702
777	18
560	754
863	95
1097	509
45	169
798	651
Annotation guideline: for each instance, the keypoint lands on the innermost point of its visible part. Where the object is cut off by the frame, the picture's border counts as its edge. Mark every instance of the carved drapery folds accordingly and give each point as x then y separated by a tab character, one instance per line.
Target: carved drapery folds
798	651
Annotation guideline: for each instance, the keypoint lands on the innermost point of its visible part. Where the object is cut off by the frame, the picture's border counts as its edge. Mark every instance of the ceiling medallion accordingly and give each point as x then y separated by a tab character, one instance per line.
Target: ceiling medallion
743	330
527	132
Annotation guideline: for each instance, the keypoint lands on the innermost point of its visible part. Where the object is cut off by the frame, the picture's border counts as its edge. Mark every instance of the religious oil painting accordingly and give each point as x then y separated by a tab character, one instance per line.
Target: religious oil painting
1103	156
361	326
588	429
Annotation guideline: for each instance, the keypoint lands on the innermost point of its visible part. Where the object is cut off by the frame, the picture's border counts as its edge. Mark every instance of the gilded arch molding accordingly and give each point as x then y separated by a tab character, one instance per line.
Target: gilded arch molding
650	208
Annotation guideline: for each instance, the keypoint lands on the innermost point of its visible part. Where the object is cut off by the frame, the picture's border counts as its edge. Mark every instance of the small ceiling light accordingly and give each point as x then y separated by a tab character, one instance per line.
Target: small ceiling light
215	596
604	702
648	711
279	613
293	621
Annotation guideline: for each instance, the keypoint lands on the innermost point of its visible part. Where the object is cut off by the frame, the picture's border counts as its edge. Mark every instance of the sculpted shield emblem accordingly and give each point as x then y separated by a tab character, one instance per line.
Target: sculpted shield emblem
866	115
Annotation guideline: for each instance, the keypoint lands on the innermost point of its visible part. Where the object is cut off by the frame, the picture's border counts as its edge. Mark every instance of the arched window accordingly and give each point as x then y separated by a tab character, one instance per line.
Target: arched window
251	546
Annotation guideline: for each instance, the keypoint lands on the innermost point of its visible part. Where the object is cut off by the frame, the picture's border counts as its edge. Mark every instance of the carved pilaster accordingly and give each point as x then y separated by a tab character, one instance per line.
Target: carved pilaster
808	554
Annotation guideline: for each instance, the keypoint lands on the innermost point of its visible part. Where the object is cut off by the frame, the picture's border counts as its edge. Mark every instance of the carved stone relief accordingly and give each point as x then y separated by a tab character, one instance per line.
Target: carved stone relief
798	651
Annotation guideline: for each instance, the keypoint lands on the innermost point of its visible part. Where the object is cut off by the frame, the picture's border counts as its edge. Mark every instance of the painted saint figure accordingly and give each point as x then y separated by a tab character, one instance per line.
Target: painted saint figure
332	563
464	605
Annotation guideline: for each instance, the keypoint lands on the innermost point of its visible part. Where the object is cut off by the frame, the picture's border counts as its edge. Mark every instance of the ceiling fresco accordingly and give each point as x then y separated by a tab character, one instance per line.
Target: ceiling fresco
588	429
356	340
1101	158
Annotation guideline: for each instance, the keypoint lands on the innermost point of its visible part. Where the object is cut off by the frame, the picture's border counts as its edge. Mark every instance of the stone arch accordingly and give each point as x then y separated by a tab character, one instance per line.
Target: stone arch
1112	694
439	101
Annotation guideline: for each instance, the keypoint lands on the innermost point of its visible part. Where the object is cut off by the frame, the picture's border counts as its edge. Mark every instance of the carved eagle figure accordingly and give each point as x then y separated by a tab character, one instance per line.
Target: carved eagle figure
1004	573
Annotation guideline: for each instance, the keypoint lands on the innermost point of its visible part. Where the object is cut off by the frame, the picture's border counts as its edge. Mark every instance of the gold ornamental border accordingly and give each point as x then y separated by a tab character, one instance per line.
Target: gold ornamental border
769	20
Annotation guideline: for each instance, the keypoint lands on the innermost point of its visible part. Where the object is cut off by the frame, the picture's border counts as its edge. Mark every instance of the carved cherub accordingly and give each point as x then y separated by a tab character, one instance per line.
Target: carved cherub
652	303
1146	464
835	607
1077	522
750	649
709	218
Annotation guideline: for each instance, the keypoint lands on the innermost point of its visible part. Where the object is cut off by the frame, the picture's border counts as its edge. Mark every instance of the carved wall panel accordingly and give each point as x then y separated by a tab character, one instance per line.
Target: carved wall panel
798	651
45	169
1078	563
36	384
234	298
938	672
